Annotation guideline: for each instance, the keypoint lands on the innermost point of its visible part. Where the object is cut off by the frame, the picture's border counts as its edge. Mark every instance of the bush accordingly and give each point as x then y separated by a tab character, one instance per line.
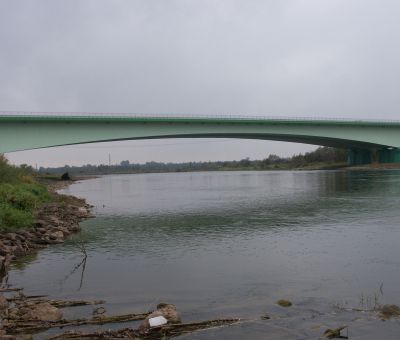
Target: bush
11	217
20	195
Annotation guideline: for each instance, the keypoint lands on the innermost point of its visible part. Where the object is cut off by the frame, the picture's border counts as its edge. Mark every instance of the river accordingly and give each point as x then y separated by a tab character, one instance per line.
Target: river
230	244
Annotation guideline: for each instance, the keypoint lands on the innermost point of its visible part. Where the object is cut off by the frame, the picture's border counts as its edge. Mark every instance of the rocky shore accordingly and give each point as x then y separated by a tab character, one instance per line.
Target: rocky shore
55	222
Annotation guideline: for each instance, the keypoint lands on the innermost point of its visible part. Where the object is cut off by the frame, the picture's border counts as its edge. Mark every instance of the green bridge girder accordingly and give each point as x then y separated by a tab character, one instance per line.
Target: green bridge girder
368	141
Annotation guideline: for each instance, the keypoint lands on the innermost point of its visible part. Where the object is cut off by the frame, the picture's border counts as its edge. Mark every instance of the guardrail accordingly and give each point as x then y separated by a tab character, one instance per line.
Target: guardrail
186	116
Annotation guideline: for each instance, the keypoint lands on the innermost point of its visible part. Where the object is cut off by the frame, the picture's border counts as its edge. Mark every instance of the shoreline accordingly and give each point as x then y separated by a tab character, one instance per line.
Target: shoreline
54	223
311	167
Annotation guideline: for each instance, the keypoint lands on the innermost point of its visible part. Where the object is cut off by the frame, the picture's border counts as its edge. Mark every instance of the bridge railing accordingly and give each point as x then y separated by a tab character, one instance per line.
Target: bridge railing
187	116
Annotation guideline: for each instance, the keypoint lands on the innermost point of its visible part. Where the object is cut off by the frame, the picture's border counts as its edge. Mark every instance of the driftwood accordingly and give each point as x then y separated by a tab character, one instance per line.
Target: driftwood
4	290
31	326
61	303
157	333
22	297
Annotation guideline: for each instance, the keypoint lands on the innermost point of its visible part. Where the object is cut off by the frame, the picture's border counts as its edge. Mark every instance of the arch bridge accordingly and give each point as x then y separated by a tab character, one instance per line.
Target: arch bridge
367	140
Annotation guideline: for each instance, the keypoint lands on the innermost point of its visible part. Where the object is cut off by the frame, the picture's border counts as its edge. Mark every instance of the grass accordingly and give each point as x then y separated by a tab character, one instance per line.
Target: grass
20	196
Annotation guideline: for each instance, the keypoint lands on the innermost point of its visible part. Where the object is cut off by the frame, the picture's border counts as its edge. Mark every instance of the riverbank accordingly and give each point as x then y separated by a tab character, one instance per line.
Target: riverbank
54	222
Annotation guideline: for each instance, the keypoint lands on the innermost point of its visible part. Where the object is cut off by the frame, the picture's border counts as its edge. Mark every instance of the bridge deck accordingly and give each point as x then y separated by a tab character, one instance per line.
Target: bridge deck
141	117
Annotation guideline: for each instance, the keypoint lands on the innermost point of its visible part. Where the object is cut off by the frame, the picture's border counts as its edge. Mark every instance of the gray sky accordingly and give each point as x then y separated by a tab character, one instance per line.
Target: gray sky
336	58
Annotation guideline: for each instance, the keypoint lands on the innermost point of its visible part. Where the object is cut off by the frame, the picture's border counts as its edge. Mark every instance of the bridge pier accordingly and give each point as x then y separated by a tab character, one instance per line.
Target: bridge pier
359	157
362	156
389	155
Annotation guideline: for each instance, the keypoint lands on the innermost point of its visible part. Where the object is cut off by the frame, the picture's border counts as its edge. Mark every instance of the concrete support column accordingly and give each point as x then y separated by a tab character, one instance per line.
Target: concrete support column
389	155
359	157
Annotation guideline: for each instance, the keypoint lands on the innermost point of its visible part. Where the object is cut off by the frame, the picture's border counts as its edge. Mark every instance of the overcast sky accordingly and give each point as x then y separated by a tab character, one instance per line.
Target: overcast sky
336	58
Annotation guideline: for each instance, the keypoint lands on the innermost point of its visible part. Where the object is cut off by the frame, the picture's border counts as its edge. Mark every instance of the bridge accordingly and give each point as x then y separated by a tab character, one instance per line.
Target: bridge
368	141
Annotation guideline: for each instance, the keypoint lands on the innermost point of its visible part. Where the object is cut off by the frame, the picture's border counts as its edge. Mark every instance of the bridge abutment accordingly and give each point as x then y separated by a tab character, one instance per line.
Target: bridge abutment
359	157
389	155
362	156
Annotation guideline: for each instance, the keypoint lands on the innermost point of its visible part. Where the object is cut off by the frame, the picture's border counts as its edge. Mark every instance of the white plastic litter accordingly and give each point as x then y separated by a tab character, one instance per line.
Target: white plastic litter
157	321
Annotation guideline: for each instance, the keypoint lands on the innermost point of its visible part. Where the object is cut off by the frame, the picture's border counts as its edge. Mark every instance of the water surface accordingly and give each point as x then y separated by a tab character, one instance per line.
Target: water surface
229	243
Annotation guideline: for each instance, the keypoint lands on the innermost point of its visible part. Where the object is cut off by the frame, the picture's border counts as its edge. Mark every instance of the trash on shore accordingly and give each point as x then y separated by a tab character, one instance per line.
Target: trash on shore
157	321
23	316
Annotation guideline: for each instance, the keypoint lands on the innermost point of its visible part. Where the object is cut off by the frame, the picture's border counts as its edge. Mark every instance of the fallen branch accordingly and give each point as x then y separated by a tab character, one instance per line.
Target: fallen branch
23	326
66	303
4	290
63	304
22	297
157	333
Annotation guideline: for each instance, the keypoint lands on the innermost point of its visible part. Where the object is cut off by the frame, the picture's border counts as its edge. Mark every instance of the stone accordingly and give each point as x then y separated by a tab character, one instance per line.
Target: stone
20	237
41	230
12	236
7	337
335	333
24	337
82	212
3	302
389	311
19	250
43	312
284	303
56	235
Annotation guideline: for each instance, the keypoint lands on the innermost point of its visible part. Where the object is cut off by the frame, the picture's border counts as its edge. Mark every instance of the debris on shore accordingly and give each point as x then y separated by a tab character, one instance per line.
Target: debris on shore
156	333
23	315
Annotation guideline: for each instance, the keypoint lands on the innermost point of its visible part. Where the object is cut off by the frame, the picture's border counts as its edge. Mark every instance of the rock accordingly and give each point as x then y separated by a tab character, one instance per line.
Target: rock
40	223
284	303
19	250
166	310
75	228
11	236
43	312
20	237
56	235
65	231
4	250
99	311
3	302
53	220
7	337
24	337
2	262
389	311
82	212
335	333
41	230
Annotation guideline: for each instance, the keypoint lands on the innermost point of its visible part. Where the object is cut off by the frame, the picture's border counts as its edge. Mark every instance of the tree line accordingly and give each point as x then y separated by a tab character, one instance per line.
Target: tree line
322	156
